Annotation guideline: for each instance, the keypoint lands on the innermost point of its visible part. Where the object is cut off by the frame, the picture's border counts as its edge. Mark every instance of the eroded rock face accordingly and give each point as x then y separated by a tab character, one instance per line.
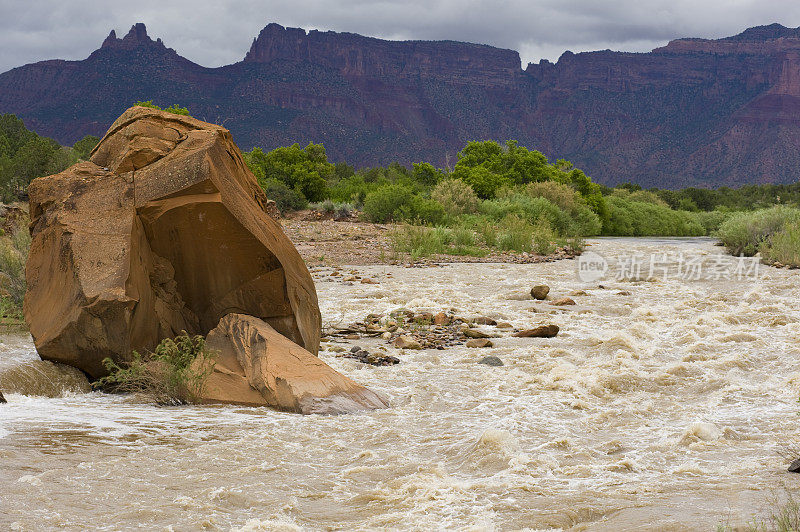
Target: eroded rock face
256	365
164	230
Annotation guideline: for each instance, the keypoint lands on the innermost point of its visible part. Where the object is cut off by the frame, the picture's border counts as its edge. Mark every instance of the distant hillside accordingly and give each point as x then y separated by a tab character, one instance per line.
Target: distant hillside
696	112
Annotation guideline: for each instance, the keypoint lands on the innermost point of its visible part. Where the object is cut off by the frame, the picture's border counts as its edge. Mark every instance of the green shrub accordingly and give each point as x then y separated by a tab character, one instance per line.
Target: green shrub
561	195
83	148
530	209
13	256
646	196
286	199
174	108
744	233
426	174
636	218
543	238
170	374
463	237
353	189
515	234
422	211
383	204
488	231
305	170
419	241
783	246
774	232
709	221
456	197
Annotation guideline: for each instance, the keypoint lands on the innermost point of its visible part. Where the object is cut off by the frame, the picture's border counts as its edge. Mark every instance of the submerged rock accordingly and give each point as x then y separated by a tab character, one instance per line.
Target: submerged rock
479	343
540	291
491	360
542	331
43	378
794	467
164	230
474	333
562	301
2	399
256	365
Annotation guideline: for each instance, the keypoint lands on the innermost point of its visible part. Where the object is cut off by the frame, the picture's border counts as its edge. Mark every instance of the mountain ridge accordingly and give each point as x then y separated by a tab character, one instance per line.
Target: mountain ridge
700	112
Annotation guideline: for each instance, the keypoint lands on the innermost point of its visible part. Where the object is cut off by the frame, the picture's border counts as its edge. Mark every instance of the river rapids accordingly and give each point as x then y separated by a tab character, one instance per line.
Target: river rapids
662	404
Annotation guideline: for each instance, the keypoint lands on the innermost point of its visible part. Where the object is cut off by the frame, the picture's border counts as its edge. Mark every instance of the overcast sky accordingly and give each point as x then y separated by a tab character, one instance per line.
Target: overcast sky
219	32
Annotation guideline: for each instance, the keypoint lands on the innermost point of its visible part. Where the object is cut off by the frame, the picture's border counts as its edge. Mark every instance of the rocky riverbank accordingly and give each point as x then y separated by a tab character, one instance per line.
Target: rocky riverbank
327	241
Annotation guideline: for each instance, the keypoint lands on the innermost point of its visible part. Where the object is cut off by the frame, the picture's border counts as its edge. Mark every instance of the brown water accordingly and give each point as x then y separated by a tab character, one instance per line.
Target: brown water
663	409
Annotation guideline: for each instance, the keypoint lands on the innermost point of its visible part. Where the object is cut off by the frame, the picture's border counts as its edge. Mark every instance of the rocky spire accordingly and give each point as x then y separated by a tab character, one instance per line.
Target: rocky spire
136	37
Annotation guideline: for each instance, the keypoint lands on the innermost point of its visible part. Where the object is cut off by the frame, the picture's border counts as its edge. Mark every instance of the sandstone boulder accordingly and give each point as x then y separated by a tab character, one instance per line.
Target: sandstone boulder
256	365
164	230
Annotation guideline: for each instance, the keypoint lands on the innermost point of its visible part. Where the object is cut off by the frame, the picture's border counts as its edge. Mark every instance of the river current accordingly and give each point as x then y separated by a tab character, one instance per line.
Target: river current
662	404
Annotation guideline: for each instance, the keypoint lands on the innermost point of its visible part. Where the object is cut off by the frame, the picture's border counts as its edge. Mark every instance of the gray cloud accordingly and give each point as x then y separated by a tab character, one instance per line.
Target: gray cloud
217	33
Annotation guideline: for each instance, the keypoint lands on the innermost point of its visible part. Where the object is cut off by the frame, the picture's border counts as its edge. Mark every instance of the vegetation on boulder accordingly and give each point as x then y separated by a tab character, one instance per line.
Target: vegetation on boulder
174	373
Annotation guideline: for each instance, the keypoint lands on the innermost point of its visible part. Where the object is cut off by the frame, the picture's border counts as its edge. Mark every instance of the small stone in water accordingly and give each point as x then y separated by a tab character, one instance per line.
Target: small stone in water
542	331
491	360
540	291
404	342
479	342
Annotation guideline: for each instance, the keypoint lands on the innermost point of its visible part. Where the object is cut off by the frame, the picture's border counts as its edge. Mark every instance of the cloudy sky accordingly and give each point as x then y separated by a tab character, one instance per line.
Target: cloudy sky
219	32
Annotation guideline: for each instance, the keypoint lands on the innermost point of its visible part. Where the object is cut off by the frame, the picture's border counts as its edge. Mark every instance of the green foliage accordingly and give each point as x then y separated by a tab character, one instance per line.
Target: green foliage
385	203
422	210
774	232
516	234
399	203
426	174
286	199
456	197
543	238
636	218
83	148
488	232
353	189
13	256
175	373
481	179
174	108
24	156
420	242
486	166
305	170
783	247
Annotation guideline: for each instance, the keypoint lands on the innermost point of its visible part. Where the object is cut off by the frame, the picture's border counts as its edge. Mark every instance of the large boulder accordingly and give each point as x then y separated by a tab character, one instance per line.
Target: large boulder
255	365
164	230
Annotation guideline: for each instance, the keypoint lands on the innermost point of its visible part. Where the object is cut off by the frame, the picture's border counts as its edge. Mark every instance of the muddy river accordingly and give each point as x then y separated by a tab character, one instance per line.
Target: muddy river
664	403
